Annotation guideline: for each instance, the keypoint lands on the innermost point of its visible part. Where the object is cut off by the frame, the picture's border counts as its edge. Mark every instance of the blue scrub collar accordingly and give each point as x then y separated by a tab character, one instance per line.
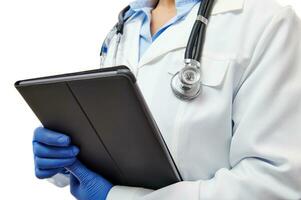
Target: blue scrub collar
139	4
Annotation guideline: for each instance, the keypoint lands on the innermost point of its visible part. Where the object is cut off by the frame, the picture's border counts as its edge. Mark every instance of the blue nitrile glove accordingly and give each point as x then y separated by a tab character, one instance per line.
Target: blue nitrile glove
52	152
87	185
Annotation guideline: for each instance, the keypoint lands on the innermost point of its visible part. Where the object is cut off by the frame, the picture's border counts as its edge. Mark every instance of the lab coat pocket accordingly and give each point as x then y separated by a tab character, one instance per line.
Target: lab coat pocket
213	71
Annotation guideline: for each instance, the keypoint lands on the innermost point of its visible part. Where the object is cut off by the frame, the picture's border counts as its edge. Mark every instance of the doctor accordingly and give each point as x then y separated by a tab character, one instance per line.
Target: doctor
241	137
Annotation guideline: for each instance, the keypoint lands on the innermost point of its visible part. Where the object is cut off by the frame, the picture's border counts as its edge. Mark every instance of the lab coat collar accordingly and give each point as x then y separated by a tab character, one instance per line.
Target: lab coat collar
176	36
219	7
222	6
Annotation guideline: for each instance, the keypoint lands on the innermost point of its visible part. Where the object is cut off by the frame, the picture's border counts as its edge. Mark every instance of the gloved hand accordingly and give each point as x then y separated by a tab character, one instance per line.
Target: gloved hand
52	152
87	185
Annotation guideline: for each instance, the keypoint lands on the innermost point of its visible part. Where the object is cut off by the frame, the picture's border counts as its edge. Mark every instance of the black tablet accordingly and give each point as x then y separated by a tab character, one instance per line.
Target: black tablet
104	113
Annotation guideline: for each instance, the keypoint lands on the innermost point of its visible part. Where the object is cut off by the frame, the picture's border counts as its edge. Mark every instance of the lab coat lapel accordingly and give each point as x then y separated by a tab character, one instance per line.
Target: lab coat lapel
176	36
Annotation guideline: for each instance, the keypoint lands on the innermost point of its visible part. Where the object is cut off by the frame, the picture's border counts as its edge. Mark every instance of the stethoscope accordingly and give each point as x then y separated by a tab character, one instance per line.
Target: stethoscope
186	83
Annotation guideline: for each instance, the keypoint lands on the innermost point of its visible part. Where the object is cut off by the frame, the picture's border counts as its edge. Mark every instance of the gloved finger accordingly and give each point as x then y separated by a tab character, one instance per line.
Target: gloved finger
45	151
49	137
52	163
82	173
42	173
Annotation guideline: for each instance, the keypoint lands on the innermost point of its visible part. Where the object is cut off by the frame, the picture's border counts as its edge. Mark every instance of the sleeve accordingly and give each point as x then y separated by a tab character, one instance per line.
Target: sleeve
265	148
60	180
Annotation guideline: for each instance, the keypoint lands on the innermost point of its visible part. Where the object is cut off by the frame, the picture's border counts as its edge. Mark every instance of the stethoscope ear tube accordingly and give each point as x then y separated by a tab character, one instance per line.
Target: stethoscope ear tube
197	36
121	20
202	31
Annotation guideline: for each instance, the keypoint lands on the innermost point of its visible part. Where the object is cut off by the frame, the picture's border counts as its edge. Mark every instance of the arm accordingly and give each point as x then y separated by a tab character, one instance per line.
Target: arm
265	148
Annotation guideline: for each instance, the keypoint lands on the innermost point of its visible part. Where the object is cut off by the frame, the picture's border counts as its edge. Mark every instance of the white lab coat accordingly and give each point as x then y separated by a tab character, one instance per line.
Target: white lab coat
241	138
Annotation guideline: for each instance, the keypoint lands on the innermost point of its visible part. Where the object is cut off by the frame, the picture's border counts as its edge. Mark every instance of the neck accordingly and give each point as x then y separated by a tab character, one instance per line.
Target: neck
166	3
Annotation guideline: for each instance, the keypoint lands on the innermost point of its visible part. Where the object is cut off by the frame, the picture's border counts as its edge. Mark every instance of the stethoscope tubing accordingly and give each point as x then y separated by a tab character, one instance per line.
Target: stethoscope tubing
197	36
182	83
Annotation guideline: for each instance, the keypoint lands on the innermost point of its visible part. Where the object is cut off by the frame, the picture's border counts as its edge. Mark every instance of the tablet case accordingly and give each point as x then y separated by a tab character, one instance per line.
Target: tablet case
108	119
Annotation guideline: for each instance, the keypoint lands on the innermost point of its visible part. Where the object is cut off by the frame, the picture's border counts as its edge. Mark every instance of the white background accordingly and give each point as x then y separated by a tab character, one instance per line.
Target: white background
39	38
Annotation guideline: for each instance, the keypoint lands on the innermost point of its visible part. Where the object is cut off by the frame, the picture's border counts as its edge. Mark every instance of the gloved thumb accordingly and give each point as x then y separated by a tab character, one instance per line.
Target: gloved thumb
79	171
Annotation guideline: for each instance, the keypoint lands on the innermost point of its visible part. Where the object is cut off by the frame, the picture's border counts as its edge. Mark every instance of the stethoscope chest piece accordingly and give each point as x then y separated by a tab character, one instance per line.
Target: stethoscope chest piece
186	84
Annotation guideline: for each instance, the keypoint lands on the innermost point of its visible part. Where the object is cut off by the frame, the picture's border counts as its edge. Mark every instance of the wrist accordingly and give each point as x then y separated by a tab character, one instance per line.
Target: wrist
106	190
